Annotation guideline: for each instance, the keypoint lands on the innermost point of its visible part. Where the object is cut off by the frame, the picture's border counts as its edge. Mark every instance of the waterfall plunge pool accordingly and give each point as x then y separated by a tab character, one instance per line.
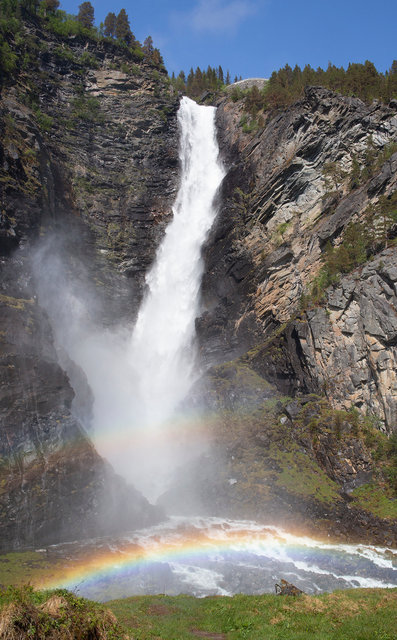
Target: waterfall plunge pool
204	556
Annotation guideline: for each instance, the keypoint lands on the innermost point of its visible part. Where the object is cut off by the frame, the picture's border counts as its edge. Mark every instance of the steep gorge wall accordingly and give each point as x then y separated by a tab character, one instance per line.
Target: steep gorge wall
276	218
302	375
88	169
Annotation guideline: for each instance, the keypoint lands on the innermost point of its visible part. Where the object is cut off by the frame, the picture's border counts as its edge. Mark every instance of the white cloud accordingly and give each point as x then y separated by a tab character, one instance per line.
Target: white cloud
218	15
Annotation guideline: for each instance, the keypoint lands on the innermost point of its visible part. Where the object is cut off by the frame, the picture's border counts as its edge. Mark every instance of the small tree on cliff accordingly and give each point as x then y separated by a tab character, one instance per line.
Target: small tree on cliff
29	6
123	31
333	176
157	58
110	25
50	6
148	48
86	15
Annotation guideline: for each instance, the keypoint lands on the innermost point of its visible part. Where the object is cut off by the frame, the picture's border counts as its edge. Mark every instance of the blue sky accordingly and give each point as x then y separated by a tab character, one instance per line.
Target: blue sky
254	37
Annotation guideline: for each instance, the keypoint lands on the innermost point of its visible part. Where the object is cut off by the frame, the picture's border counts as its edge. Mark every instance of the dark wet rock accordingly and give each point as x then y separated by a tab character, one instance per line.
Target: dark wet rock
91	181
293	409
286	588
53	484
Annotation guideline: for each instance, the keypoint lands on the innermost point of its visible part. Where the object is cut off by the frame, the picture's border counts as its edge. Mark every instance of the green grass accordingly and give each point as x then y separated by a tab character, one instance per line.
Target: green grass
19	567
16	303
302	477
376	499
356	614
360	614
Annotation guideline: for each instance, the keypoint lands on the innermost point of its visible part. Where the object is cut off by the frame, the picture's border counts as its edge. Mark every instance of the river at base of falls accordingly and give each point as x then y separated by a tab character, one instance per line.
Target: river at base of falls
203	556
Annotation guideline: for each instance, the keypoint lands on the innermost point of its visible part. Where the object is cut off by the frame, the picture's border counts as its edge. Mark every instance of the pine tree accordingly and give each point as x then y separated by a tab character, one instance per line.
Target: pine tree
29	6
148	48
86	15
384	219
180	82
334	177
190	82
123	31
110	25
50	6
228	77
157	58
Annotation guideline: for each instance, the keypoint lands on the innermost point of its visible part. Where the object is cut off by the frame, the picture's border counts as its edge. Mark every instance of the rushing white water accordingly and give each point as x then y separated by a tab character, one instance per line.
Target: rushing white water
215	556
161	352
155	367
162	347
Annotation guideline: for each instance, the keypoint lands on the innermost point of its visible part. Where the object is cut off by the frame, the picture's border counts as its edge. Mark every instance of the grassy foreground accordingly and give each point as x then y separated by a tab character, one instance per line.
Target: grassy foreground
357	614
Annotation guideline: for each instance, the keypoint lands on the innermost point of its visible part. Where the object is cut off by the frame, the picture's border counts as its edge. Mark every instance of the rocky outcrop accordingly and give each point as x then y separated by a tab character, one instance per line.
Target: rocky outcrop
53	484
99	144
291	461
349	344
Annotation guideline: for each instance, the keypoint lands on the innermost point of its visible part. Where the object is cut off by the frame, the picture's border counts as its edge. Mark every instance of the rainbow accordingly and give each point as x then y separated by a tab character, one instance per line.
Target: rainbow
131	556
187	544
183	427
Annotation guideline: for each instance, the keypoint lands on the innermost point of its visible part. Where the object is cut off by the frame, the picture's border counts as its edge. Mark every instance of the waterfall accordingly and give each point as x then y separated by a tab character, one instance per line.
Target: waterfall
162	346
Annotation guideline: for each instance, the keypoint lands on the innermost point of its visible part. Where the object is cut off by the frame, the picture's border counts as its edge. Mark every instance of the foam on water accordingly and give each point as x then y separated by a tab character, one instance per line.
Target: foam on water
214	556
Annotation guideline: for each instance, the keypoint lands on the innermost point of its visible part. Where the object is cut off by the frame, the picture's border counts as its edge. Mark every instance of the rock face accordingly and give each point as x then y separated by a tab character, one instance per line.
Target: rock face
53	484
103	151
276	218
88	156
349	346
307	448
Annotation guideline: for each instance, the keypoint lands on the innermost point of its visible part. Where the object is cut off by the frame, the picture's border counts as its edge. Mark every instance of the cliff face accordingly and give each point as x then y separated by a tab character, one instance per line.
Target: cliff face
277	216
88	157
90	133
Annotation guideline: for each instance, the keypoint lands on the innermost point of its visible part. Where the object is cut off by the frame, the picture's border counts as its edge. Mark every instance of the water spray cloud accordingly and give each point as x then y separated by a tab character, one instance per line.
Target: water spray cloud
140	376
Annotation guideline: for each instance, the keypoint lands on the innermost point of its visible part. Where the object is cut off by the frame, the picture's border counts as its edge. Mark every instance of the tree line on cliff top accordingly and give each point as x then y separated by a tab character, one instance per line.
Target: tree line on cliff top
115	27
284	87
202	81
287	85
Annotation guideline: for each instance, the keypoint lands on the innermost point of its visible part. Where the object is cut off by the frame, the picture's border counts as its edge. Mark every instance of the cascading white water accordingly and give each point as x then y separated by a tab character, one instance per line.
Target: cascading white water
162	346
162	349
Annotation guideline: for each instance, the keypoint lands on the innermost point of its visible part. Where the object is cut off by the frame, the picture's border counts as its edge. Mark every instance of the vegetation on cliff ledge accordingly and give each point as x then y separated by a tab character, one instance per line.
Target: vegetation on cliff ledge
18	50
298	451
